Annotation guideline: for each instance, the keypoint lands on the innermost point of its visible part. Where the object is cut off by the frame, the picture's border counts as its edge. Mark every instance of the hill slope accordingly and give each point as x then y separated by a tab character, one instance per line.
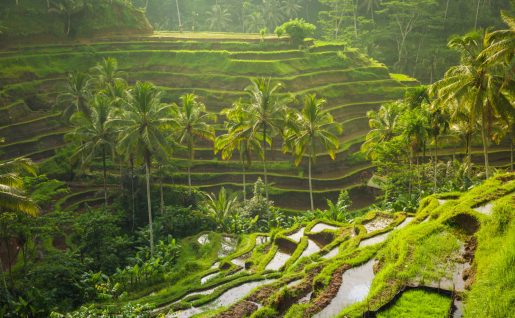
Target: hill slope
455	253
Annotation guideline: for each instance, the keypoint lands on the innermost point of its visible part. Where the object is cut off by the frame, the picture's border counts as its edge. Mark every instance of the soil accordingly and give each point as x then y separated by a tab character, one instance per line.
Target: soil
465	222
325	298
322	238
241	309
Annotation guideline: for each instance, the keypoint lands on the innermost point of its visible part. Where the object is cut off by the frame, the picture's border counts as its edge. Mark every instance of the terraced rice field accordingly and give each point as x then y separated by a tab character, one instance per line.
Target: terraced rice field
420	265
217	69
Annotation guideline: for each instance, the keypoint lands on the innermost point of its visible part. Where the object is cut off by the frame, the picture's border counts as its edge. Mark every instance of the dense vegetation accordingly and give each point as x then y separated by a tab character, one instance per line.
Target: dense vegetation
205	174
409	36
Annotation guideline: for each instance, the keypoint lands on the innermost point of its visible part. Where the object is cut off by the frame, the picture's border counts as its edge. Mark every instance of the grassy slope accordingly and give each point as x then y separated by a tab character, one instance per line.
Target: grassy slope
422	253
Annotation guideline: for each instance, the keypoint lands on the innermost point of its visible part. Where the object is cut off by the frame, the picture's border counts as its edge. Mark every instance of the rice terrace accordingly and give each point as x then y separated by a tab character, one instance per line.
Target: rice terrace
258	158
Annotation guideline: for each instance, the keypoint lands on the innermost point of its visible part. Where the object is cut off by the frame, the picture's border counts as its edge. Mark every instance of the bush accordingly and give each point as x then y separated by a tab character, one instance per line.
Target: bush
297	29
180	222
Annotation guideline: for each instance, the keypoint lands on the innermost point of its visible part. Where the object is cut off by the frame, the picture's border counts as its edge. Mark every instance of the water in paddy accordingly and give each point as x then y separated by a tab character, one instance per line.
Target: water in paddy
382	237
228	298
405	222
297	235
374	240
228	246
442	201
332	253
203	239
458	309
238	262
278	261
206	278
311	249
485	209
261	239
376	224
322	226
355	287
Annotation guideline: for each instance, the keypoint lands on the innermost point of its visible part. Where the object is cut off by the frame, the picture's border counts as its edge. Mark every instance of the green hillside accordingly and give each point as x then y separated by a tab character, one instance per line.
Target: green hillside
445	259
217	67
40	21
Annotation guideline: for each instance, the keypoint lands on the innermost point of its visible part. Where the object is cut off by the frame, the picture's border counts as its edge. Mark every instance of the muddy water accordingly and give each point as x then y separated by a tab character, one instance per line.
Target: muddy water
311	249
332	253
235	294
355	287
278	261
322	226
238	262
261	239
405	222
228	298
228	246
297	235
485	209
374	240
203	239
376	224
206	278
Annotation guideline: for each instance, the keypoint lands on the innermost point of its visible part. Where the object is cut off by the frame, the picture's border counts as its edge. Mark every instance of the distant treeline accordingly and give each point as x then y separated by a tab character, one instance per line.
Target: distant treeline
409	36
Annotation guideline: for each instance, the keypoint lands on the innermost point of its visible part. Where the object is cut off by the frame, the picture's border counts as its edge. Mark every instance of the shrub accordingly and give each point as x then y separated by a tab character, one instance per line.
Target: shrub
297	29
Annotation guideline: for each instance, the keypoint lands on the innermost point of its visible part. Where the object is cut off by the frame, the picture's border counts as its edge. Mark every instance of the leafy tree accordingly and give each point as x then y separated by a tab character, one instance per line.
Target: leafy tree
191	123
105	75
291	8
338	212
265	110
12	192
142	132
68	9
76	94
298	30
239	137
218	18
221	208
383	124
95	134
475	83
312	127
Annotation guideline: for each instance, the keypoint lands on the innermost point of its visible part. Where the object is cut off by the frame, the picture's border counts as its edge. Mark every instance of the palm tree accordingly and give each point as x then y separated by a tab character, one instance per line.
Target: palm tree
291	8
76	94
141	131
312	127
254	22
106	74
218	18
439	122
271	13
12	195
383	127
239	136
265	110
477	83
220	208
94	133
192	122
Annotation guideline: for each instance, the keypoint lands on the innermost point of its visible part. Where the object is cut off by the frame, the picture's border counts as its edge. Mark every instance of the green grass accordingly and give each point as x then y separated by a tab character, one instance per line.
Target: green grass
418	303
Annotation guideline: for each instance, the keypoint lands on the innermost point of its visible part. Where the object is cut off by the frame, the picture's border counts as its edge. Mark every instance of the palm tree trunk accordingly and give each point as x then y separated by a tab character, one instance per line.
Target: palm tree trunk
244	181
477	14
162	205
435	163
105	175
179	15
485	147
446	11
190	146
264	162
511	145
149	206
310	184
132	195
